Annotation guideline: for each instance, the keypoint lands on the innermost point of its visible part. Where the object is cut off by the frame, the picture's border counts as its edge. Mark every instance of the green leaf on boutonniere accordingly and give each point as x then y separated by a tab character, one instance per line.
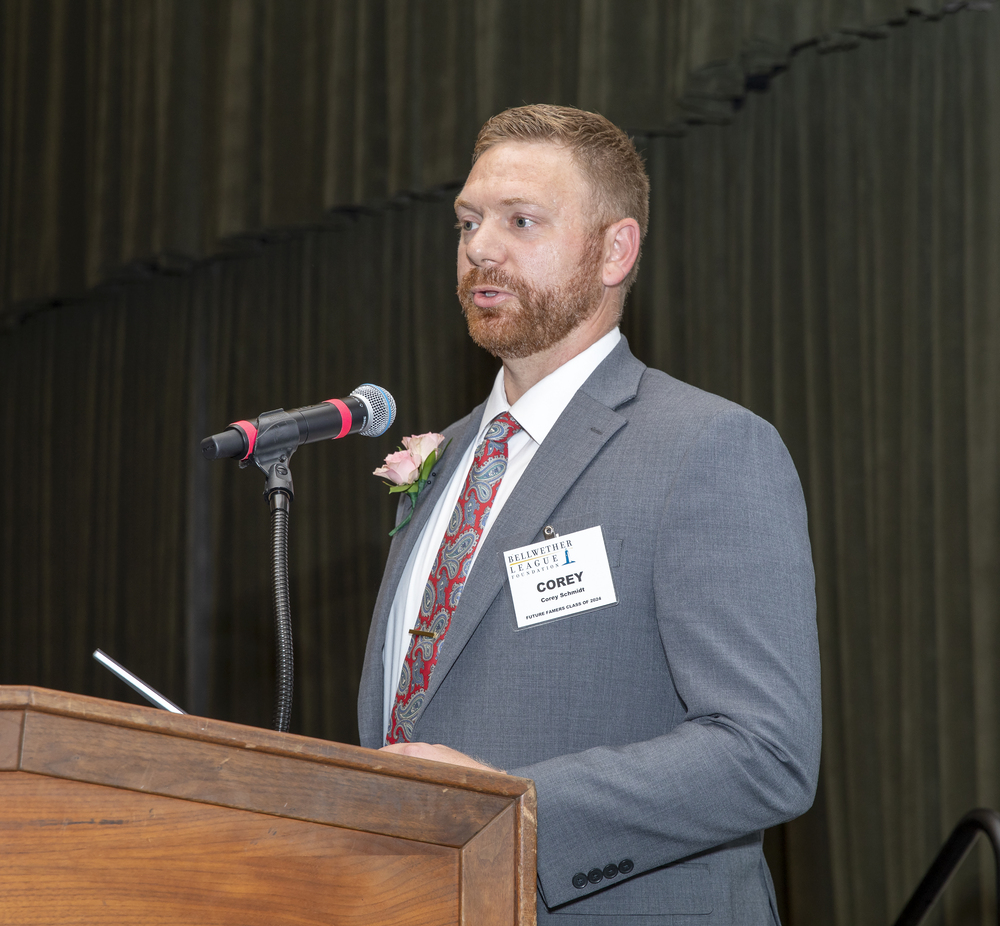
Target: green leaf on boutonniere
428	465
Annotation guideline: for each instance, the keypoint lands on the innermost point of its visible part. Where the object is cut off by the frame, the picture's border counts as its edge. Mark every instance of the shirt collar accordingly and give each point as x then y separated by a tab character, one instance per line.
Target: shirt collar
539	408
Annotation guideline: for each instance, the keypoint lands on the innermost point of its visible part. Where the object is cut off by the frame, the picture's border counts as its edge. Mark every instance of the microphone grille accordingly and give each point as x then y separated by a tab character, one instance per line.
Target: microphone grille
381	409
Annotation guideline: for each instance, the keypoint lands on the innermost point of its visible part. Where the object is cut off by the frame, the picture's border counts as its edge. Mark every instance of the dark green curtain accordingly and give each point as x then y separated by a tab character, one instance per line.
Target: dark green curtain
828	258
148	134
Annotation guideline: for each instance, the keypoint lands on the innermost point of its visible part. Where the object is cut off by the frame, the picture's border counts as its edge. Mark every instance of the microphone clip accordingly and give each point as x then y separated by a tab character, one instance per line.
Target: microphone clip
277	439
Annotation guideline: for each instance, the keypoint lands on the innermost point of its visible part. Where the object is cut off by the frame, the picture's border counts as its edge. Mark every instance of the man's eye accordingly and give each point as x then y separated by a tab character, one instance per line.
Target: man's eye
522	222
467	225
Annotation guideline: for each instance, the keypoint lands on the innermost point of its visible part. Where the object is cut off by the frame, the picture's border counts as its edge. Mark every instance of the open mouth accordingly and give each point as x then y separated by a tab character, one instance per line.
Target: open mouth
487	297
487	289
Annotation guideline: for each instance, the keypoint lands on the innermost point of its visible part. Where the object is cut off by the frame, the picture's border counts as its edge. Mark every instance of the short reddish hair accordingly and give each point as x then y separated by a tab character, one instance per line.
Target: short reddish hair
603	152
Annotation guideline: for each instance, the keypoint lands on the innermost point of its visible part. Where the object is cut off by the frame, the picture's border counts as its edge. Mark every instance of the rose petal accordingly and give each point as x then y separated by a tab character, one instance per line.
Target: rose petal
400	468
421	446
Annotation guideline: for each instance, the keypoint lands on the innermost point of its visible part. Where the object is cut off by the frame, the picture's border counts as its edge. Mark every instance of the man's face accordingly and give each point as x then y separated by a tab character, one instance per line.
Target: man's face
529	257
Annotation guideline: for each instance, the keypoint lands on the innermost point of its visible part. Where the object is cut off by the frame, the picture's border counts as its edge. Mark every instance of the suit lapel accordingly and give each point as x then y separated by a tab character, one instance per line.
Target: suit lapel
370	695
587	424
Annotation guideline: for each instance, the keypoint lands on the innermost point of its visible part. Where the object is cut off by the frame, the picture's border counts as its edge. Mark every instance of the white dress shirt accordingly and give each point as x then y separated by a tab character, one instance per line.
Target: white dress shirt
536	412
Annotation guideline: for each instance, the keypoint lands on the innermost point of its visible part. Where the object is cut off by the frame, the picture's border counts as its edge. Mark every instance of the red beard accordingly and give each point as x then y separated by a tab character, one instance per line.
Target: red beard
540	318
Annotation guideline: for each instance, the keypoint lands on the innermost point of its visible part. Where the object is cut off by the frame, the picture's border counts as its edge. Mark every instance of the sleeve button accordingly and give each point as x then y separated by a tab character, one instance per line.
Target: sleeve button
625	866
610	871
579	880
595	876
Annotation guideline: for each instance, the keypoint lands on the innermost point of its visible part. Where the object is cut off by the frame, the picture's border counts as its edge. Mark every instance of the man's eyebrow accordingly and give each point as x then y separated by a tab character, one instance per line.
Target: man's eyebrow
509	201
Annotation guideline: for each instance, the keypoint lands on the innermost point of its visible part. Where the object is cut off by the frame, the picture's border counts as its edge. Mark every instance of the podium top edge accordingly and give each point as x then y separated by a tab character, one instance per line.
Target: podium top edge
150	719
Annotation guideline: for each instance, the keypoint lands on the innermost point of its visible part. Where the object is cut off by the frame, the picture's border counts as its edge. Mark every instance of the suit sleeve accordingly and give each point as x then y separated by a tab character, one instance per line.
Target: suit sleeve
735	606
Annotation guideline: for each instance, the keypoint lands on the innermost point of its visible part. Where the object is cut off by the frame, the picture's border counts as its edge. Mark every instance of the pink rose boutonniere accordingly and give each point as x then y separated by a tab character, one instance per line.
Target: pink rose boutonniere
409	469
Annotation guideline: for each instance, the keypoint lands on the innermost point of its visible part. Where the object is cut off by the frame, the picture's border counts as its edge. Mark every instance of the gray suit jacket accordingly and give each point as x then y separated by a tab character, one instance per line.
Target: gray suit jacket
663	733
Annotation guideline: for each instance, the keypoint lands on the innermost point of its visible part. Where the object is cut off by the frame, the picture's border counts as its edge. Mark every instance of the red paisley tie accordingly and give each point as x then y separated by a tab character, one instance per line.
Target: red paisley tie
444	585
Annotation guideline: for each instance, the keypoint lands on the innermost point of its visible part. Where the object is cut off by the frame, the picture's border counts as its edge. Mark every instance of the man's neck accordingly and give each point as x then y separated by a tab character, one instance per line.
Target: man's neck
520	374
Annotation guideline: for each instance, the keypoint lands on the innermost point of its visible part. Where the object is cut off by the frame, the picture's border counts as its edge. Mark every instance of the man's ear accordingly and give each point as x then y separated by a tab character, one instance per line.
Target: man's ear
621	250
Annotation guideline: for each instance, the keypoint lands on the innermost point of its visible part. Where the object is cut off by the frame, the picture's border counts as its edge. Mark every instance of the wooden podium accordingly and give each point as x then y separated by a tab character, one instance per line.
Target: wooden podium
117	814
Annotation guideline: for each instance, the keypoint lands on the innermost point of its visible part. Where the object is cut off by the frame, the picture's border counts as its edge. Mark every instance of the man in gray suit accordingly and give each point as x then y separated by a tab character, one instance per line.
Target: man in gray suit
634	627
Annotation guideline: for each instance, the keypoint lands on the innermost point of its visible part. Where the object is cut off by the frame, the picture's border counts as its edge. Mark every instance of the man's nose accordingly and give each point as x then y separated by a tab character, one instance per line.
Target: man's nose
487	246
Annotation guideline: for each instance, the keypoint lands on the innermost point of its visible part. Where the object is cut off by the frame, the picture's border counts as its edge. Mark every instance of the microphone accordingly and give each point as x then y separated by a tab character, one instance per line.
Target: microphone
369	410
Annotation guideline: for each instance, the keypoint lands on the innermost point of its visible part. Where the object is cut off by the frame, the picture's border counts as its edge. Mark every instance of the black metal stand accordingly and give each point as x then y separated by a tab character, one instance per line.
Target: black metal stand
277	438
280	503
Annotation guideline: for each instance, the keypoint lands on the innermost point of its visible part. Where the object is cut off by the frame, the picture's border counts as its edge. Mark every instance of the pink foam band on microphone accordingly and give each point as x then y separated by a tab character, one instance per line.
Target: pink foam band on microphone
251	434
345	417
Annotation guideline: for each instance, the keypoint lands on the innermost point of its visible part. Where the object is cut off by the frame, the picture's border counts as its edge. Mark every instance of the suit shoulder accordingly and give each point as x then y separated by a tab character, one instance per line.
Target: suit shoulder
661	394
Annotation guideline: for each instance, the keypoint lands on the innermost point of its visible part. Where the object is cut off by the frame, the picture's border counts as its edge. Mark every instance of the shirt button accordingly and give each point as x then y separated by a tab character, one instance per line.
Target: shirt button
595	876
579	879
610	870
625	866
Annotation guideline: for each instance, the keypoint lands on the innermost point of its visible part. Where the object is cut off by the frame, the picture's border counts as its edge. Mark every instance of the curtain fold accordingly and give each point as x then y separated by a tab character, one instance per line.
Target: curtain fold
142	137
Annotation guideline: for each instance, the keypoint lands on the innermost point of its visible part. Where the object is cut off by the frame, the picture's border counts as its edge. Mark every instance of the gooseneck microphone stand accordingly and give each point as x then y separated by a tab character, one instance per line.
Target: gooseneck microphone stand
277	438
270	442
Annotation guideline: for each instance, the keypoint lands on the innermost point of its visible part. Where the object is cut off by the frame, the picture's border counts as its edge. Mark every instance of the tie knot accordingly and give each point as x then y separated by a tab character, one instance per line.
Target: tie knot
501	428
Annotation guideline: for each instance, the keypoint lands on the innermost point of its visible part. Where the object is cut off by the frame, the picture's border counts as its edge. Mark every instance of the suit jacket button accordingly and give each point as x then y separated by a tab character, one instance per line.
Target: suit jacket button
595	876
579	879
625	866
610	870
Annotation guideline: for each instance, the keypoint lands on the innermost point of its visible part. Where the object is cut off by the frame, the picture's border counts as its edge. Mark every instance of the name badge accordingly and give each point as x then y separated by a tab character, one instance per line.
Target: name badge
560	577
